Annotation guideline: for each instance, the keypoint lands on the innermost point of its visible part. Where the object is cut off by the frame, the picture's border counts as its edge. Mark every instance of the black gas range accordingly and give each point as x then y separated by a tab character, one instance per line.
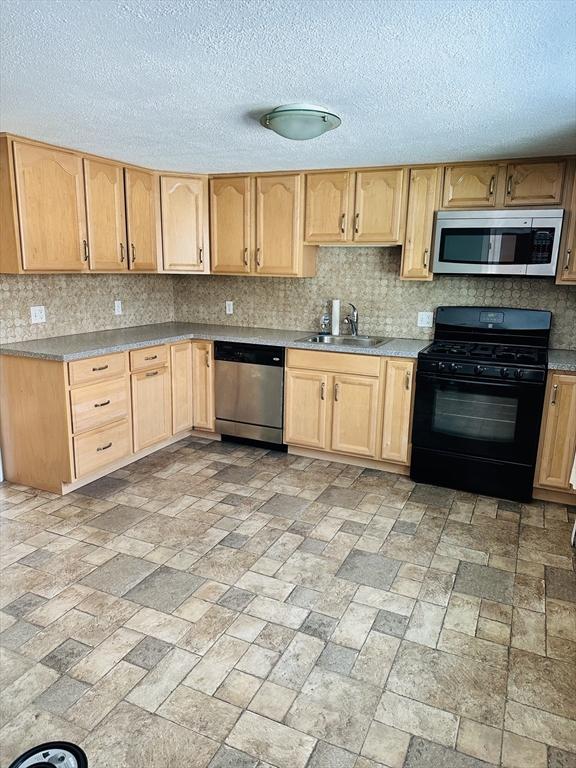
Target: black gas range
479	396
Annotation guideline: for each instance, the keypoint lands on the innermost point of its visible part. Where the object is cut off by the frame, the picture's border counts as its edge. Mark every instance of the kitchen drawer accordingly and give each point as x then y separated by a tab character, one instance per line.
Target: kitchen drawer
97	368
150	357
336	362
96	449
99	404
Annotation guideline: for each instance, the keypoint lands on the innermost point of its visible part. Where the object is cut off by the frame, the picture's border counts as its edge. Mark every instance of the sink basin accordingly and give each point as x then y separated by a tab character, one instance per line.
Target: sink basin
345	341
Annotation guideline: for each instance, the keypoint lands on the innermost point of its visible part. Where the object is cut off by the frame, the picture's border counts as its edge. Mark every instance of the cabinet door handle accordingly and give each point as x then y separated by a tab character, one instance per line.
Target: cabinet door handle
336	392
568	258
100	368
101	405
407	381
425	260
207	359
554	394
323	391
258	258
357	223
151	357
200	256
86	250
133	247
104	447
245	257
509	186
153	373
343	223
121	252
491	187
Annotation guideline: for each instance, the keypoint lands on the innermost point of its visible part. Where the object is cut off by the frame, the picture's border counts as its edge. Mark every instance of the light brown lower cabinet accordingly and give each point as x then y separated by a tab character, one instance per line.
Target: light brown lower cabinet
203	385
151	407
558	433
182	401
349	404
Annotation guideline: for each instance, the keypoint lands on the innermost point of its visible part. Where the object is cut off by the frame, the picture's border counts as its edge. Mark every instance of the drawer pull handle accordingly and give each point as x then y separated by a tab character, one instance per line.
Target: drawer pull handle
100	368
491	187
509	186
568	255
101	405
245	257
554	394
357	223
104	447
152	373
336	390
133	252
151	357
86	251
323	391
121	252
200	256
426	258
407	381
207	359
258	258
343	223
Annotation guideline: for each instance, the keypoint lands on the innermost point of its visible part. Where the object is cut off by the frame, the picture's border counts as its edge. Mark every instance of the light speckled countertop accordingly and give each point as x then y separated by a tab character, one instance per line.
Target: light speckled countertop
82	345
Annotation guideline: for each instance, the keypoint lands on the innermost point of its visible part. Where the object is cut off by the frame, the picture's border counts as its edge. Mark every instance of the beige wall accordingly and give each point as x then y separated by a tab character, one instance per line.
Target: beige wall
78	303
366	276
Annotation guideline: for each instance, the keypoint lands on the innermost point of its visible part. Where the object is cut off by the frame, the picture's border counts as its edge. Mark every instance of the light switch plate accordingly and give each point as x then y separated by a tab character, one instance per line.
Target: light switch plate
229	307
117	307
38	314
425	319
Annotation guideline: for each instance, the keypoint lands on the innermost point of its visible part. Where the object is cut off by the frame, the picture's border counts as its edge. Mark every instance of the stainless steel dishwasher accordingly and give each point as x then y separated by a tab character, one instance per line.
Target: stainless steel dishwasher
249	391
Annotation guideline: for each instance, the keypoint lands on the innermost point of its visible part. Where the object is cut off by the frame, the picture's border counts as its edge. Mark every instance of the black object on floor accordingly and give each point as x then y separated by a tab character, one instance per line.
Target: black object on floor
62	754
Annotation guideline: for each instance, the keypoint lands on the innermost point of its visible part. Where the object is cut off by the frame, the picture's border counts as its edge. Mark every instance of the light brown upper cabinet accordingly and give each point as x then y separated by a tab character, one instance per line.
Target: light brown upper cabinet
257	226
470	186
534	183
230	214
423	199
184	206
567	259
106	216
329	203
142	219
558	434
51	209
356	206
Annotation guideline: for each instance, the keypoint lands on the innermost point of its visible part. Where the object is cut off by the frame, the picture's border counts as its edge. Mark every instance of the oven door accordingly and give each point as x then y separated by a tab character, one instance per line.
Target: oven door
496	420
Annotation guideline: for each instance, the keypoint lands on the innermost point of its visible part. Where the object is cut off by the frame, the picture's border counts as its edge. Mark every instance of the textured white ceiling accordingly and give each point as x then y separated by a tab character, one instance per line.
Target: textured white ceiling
179	85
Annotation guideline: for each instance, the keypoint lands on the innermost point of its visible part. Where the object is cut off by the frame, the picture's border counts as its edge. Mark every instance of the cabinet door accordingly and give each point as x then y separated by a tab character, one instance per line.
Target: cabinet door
203	385
567	265
380	206
51	209
151	407
184	223
398	388
534	183
470	186
181	368
141	211
328	206
106	215
558	435
355	415
230	211
423	196
278	237
305	408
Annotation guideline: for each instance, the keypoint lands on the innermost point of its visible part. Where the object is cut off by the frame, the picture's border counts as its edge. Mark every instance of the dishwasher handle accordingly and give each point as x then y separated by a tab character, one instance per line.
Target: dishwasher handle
252	354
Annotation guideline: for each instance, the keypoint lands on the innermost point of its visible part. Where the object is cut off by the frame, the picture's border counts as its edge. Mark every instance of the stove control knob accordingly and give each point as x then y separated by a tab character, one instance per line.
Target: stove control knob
453	367
504	372
441	365
478	370
519	373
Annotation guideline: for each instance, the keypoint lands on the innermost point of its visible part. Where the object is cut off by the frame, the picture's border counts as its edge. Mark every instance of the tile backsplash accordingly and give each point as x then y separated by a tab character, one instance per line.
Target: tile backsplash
79	303
368	277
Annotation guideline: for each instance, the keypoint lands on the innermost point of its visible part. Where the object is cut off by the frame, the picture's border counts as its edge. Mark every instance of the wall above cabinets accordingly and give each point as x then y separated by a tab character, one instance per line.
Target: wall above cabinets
65	211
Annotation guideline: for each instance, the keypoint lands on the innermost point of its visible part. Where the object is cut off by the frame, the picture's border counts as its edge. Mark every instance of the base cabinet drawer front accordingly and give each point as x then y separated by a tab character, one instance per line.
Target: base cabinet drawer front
181	369
203	385
149	357
99	447
306	409
151	407
558	433
398	396
355	415
335	362
99	404
97	369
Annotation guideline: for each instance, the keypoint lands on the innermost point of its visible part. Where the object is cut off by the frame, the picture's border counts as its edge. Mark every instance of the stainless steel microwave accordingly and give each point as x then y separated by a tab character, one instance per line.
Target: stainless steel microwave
504	242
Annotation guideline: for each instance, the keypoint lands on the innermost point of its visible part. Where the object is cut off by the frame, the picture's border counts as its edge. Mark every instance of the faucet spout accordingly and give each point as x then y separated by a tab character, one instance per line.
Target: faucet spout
352	320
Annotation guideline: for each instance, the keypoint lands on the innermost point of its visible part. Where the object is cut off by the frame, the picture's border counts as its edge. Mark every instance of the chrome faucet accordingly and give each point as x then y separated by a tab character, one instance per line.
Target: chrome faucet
352	320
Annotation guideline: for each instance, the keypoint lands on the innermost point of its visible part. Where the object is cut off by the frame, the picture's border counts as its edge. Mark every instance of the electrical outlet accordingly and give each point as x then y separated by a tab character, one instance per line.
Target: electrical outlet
117	307
425	319
229	307
38	314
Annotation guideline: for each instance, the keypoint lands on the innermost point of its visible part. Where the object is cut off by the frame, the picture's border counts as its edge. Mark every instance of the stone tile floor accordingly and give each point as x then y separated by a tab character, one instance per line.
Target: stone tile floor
220	605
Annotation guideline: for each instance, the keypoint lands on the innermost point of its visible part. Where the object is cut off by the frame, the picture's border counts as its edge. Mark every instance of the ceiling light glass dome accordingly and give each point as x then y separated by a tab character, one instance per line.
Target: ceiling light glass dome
300	121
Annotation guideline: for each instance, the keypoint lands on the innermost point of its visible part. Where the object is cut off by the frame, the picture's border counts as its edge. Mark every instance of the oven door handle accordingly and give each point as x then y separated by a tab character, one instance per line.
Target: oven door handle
450	378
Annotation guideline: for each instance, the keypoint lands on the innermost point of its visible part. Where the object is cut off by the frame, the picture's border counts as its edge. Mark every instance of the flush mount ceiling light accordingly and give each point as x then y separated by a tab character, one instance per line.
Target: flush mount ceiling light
300	121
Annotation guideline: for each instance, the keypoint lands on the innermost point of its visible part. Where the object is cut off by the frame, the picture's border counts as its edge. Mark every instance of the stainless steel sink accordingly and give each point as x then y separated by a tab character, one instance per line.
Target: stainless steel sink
345	341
